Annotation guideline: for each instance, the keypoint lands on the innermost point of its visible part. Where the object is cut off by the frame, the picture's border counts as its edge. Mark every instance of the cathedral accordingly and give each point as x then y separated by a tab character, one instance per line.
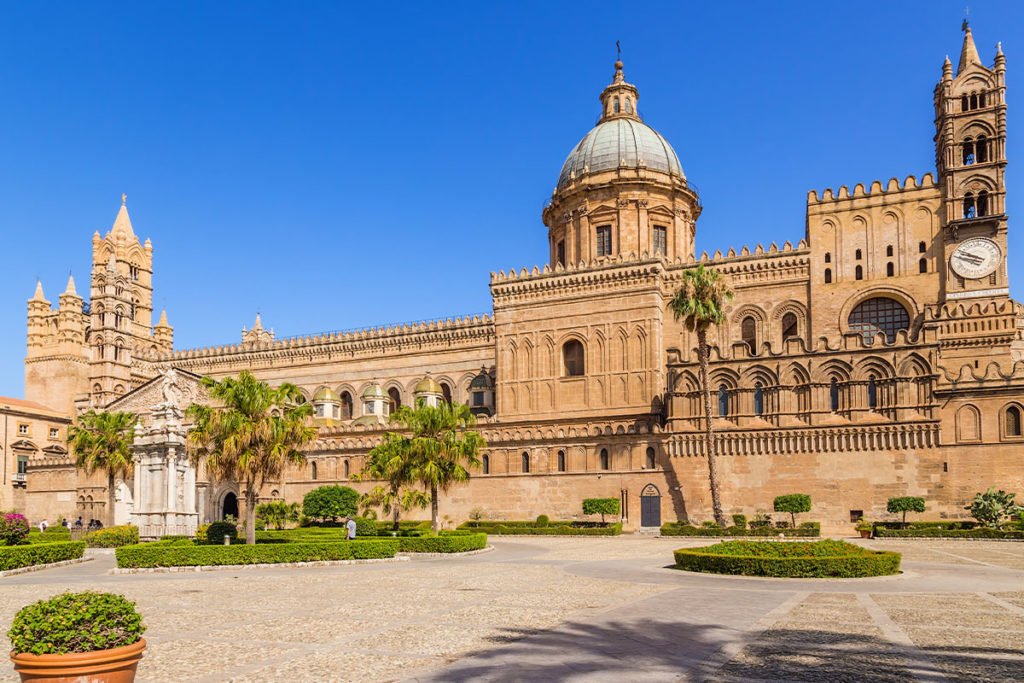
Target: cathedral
878	356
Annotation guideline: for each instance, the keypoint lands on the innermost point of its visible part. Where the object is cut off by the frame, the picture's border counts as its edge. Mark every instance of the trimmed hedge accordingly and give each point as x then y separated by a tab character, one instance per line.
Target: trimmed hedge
49	536
939	532
17	556
805	530
510	523
502	529
447	543
168	555
814	559
113	536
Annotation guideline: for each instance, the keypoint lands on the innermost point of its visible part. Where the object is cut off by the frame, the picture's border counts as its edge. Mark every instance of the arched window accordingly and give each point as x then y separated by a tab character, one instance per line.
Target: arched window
982	203
758	399
486	463
872	393
345	468
880	314
828	276
604	240
394	399
922	247
572	357
888	250
789	326
346	405
446	392
561	461
858	254
981	100
118	318
922	266
828	257
890	269
1013	422
974	101
969	210
968	153
858	273
605	460
312	471
833	395
981	149
118	350
526	462
723	401
651	460
748	330
629	106
615	107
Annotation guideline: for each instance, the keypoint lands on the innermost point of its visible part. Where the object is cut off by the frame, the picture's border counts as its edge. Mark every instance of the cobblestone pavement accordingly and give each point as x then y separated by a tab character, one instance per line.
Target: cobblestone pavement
571	609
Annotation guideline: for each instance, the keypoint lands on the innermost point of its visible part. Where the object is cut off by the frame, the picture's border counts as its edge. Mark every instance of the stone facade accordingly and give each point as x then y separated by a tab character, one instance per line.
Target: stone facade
879	355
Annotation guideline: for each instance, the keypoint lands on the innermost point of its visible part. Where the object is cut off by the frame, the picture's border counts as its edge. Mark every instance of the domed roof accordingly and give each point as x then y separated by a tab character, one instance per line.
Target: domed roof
620	143
428	385
481	381
373	392
325	394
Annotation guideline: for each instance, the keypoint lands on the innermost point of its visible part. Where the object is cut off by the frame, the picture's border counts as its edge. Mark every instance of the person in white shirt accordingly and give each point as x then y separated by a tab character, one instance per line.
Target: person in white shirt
350	526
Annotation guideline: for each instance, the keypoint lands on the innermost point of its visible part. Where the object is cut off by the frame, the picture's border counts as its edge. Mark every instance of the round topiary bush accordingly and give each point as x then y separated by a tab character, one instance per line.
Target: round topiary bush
76	622
13	528
216	532
543	520
814	559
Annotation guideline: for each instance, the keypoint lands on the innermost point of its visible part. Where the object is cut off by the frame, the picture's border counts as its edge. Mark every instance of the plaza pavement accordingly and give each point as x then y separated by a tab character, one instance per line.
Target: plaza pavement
571	609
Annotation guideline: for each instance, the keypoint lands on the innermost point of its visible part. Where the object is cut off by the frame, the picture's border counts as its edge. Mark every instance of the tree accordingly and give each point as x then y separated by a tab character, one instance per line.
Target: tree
991	507
275	513
103	441
601	506
441	446
700	303
905	504
394	463
330	502
793	503
251	435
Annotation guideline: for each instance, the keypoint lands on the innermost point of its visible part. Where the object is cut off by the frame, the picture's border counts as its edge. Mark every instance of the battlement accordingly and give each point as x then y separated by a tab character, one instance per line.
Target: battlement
910	183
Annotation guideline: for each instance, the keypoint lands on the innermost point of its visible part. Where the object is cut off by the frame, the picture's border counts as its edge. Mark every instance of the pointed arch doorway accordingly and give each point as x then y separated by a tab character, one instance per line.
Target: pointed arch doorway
229	506
650	506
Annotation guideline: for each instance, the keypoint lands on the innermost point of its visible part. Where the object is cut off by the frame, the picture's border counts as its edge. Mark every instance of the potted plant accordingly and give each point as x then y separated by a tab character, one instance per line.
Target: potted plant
865	528
77	637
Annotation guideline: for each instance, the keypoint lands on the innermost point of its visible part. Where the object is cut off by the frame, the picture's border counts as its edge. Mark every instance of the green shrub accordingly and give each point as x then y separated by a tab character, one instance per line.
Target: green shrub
15	557
176	540
13	528
446	543
365	527
905	504
792	503
501	529
48	537
710	525
937	532
113	536
798	559
806	530
76	622
739	521
991	507
511	523
201	533
330	502
273	513
601	506
761	520
159	555
216	532
543	520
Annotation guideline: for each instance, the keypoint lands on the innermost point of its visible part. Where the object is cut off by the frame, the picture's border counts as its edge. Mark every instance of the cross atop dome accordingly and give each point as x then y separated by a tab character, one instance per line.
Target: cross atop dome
619	99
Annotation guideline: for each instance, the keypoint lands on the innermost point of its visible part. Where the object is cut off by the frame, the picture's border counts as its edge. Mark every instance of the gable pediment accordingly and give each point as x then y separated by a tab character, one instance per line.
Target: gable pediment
24	445
176	387
661	210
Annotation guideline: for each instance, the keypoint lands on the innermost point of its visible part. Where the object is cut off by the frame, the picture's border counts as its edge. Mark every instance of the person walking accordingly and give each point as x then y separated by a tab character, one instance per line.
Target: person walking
350	526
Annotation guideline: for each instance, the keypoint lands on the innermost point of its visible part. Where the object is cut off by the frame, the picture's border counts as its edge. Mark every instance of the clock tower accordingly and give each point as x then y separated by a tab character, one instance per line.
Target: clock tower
970	150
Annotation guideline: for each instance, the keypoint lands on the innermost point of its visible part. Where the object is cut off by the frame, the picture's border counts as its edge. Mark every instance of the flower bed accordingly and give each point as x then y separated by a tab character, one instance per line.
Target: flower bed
17	556
445	543
790	559
805	530
176	555
940	532
554	529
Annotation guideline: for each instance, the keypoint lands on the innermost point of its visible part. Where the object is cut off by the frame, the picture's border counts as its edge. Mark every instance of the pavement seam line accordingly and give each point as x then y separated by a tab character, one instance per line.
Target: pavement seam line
916	657
1002	603
968	559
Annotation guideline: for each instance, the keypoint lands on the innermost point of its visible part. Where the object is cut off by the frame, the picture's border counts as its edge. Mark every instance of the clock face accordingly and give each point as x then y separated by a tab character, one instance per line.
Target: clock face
975	258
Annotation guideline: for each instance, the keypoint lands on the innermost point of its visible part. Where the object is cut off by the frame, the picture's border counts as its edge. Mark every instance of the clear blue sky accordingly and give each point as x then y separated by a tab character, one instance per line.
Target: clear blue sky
336	165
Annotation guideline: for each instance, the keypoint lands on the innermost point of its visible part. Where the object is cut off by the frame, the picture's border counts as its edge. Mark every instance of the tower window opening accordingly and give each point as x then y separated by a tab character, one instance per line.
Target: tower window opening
789	326
982	203
1013	421
963	103
525	458
312	471
859	273
922	247
833	395
446	393
758	399
872	393
890	269
969	208
560	253
651	461
629	106
346	405
486	464
828	276
615	108
922	266
981	100
134	272
888	250
394	400
561	461
828	257
968	153
723	401
606	463
748	330
974	101
604	240
981	149
858	254
660	240
572	358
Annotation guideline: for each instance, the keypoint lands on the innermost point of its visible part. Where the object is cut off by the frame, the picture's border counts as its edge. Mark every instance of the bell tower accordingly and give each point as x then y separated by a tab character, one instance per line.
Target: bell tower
970	155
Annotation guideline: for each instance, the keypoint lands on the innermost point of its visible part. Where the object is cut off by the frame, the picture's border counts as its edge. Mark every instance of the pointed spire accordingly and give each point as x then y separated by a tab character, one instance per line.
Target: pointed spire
258	325
123	224
163	319
38	296
969	52
70	289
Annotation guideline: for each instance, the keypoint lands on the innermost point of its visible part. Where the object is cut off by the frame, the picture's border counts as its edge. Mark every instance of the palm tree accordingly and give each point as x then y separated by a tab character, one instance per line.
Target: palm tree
103	441
257	431
700	303
441	446
393	463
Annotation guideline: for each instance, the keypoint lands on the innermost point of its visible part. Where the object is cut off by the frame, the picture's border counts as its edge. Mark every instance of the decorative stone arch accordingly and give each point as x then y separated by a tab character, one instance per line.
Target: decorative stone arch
758	373
222	499
796	308
873	365
976	183
978	127
968	424
686	381
880	291
795	374
727	376
1011	421
565	339
914	365
760	325
836	369
598	357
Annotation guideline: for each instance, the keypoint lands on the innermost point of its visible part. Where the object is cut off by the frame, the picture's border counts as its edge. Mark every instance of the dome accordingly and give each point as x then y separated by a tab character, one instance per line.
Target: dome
428	385
326	395
373	392
481	381
620	143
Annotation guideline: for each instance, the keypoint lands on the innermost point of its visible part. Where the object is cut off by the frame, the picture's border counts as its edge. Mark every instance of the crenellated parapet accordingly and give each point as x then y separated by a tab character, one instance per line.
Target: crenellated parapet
875	193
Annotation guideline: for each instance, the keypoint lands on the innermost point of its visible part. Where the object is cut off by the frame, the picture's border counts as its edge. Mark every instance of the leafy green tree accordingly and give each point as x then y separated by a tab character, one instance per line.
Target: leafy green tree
700	303
905	504
249	437
441	446
793	503
991	507
103	441
273	514
601	506
330	502
394	463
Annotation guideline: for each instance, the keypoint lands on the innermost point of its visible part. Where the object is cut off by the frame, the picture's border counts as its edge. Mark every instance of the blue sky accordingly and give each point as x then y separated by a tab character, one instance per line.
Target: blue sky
339	165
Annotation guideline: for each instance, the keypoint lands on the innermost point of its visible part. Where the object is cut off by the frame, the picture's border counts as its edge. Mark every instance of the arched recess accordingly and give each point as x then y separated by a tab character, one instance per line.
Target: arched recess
619	350
900	295
834	368
914	365
1011	419
873	365
758	374
968	424
760	319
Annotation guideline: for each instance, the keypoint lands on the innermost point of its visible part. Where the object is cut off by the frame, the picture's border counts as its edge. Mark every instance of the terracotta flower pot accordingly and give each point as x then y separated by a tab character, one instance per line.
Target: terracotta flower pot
116	665
865	533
